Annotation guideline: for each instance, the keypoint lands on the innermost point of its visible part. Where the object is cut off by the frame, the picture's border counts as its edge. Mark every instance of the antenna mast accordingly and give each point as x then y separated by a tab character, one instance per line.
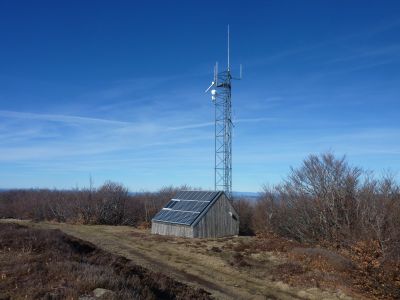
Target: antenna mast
221	97
229	64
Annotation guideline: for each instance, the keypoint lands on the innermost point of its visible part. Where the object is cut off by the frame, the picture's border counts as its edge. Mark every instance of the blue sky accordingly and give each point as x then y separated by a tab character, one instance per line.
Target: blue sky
115	90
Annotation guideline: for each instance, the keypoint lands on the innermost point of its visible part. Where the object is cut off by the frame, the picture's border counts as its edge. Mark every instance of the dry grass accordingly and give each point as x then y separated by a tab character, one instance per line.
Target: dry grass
229	268
249	267
47	264
360	269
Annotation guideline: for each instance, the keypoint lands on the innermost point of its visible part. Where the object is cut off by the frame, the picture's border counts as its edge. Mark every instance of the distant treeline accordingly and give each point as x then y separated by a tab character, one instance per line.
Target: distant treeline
110	204
325	200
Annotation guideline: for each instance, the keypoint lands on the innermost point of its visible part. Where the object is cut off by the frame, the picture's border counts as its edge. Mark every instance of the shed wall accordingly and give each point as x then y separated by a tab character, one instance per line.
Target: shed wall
171	229
217	222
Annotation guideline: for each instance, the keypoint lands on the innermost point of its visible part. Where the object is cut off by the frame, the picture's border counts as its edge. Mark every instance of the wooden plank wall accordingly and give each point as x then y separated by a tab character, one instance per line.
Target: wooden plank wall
217	222
171	229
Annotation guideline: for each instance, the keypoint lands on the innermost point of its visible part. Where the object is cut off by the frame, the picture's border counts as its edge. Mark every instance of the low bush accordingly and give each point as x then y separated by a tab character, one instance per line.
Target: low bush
327	200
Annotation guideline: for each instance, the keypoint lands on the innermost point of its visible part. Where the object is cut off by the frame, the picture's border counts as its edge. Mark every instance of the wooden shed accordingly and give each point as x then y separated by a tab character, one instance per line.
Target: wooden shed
197	214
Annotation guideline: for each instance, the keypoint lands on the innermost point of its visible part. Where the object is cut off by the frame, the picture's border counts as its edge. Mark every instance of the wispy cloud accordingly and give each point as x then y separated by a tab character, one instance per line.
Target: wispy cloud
313	51
60	118
22	136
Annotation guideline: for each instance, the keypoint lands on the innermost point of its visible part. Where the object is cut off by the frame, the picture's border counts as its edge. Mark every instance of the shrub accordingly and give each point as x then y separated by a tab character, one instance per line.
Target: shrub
109	204
326	199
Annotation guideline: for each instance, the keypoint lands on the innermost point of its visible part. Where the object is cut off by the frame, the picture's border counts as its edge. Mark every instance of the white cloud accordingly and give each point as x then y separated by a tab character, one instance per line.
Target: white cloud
60	118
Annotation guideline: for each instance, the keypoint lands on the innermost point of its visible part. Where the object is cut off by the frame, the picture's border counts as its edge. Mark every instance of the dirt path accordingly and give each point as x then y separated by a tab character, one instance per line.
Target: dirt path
191	261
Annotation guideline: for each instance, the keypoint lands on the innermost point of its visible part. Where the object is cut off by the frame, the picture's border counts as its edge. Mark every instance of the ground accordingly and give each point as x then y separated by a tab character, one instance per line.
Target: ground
49	264
237	267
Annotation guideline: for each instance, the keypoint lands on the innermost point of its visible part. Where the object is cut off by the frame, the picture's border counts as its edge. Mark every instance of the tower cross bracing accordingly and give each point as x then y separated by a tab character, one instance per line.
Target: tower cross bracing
223	133
221	95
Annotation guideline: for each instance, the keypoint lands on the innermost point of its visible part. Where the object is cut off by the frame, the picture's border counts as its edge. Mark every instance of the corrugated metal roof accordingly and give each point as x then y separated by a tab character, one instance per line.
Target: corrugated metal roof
186	207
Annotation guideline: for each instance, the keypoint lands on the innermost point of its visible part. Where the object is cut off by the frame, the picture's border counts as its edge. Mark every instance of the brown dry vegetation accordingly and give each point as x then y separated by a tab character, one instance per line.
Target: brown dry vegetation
48	264
229	268
265	265
358	270
109	204
331	224
329	204
327	200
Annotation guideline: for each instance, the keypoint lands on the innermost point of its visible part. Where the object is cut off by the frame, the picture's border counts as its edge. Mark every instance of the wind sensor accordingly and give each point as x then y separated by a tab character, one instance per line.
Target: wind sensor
221	96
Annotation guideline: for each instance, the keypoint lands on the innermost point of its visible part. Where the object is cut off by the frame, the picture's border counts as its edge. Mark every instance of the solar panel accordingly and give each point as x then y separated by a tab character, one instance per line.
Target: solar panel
185	207
171	204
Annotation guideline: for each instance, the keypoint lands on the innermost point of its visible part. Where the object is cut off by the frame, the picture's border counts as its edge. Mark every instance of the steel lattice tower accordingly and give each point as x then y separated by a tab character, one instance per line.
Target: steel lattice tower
221	95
